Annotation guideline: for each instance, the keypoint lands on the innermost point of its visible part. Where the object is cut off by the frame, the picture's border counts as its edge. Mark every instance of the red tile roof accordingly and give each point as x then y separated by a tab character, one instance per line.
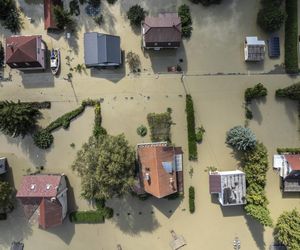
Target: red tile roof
39	186
50	213
294	161
164	28
21	49
160	183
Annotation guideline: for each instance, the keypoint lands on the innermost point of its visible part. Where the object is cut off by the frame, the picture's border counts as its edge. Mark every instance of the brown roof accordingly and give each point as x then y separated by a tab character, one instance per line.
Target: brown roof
49	19
21	49
50	213
215	183
161	183
294	161
164	28
33	186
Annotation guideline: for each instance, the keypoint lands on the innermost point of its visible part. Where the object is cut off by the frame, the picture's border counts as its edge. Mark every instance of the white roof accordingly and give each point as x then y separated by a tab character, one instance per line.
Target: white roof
252	40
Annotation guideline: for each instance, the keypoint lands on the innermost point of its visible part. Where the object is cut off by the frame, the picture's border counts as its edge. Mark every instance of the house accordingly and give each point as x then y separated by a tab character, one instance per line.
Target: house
3	165
254	49
101	50
45	196
230	187
49	19
160	168
161	32
288	166
25	52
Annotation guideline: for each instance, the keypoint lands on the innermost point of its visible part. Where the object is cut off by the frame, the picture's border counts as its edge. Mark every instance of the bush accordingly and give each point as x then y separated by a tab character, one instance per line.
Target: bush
288	150
249	114
136	14
190	116
99	19
133	61
192	199
241	138
271	3
3	216
13	21
98	129
291	37
270	19
74	7
64	20
259	90
43	139
94	3
141	131
199	134
292	92
260	213
86	217
107	212
186	20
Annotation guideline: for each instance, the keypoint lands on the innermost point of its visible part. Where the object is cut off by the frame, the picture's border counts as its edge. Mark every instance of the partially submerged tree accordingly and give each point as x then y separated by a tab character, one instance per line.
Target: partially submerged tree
63	19
207	2
241	138
6	198
136	14
17	118
133	61
270	19
287	229
292	92
106	167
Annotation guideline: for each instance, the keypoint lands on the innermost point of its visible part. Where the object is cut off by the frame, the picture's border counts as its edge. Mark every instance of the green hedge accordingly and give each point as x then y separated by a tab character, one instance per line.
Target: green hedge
291	37
288	150
86	217
186	20
192	199
190	116
292	92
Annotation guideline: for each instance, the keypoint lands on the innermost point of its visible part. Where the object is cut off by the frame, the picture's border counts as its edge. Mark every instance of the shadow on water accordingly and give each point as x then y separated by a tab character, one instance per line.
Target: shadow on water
254	107
65	231
291	108
132	215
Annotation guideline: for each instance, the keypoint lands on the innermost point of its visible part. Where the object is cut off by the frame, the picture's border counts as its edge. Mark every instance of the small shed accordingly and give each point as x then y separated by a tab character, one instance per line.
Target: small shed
254	49
101	50
3	165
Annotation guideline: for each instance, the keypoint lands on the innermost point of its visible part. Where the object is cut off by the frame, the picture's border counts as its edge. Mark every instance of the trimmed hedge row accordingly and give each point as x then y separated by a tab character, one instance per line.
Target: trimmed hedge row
291	37
186	20
190	116
86	217
192	199
288	150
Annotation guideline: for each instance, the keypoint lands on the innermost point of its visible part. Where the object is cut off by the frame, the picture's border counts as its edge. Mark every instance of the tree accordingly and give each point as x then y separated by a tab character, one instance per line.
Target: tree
206	2
5	7
17	118
106	167
287	229
260	213
136	14
259	90
6	192
1	55
13	21
63	19
241	138
270	19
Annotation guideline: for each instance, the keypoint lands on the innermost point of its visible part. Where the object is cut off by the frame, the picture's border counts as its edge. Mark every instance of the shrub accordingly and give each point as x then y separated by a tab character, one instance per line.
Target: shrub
272	3
292	92
3	216
288	150
241	138
260	213
86	217
63	19
259	90
190	116
291	37
98	129
249	114
133	61
270	19
94	3
136	14
74	7
186	20
192	199
141	131
43	139
107	212
199	134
